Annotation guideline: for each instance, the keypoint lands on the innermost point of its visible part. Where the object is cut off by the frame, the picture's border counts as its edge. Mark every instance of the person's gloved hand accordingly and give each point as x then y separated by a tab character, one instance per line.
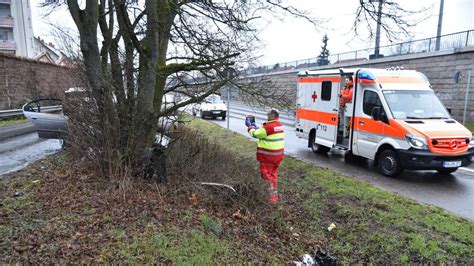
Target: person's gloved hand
247	122
254	125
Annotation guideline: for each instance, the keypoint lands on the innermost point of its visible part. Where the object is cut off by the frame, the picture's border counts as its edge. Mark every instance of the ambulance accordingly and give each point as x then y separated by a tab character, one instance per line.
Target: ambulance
391	116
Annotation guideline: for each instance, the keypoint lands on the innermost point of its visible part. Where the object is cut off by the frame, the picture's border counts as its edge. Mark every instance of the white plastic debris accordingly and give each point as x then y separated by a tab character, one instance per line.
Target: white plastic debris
219	185
307	261
331	227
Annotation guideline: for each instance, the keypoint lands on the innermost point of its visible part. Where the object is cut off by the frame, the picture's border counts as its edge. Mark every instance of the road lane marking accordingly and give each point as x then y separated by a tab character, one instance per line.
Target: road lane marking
467	169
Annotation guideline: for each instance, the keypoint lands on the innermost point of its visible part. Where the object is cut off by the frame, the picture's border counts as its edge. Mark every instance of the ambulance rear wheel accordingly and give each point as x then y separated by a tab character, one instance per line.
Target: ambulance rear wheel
316	148
389	164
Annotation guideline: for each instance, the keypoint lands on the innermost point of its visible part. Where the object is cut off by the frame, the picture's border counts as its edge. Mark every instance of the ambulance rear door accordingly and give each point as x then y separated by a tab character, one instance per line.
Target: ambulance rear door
327	110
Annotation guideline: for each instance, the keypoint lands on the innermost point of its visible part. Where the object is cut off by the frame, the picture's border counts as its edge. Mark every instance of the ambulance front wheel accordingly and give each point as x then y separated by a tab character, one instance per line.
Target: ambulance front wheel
389	164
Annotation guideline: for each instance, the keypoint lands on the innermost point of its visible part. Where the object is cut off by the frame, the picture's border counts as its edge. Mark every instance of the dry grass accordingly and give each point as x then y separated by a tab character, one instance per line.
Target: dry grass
193	158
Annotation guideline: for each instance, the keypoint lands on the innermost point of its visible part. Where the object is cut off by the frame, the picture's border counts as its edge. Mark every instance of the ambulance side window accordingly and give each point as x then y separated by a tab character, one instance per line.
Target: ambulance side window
326	89
371	100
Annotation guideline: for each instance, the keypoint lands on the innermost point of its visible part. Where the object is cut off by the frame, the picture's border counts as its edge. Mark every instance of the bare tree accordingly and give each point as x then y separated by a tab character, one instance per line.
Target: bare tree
136	52
395	19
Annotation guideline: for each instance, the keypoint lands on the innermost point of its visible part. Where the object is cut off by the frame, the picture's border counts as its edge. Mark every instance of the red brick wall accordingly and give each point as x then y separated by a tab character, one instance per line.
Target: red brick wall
23	80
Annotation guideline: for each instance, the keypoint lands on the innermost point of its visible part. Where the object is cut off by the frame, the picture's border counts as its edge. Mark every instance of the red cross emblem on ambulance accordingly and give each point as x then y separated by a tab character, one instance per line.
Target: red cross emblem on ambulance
314	97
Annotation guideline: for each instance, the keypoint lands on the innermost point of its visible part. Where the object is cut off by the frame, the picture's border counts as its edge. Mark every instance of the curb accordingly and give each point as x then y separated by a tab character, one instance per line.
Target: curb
16	130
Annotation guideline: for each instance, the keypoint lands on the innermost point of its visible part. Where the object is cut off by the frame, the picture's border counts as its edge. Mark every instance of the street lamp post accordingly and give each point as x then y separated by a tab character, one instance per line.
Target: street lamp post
440	24
379	25
377	34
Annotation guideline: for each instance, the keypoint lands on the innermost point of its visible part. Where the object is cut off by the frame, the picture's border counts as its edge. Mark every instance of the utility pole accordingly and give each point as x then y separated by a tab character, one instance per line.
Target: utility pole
467	96
228	109
440	24
379	25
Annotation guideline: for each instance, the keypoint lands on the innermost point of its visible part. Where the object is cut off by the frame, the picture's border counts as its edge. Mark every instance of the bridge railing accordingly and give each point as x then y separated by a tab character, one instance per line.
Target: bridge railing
446	42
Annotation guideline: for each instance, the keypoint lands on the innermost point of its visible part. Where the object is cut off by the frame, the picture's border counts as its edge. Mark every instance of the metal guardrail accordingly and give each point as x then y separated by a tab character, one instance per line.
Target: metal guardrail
18	112
447	42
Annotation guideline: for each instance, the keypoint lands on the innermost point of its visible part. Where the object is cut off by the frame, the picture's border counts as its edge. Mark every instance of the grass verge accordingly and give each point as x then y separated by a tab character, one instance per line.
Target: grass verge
470	126
12	122
371	224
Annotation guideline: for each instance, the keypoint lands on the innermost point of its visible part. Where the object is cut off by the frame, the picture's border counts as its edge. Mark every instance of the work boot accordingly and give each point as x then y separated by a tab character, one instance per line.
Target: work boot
272	196
273	199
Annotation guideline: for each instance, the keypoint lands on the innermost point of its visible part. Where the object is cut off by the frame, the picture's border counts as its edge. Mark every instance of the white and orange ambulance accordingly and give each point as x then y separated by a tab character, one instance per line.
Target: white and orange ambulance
390	116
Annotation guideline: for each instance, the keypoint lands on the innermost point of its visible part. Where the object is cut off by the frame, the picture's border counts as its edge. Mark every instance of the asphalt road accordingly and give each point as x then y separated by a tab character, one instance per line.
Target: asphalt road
454	192
17	152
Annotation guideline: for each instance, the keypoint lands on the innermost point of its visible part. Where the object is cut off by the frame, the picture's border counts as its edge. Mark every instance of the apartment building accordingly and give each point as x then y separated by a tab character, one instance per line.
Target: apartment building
16	30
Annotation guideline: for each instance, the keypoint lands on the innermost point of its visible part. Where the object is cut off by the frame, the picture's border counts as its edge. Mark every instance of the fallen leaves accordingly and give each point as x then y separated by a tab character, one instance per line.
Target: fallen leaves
237	215
73	218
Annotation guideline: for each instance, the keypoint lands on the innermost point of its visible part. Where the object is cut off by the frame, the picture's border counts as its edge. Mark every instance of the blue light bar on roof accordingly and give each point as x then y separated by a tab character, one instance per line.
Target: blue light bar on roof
363	74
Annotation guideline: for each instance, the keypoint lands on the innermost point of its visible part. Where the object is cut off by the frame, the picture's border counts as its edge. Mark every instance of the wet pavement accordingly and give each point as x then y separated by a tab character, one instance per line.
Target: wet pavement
454	192
18	152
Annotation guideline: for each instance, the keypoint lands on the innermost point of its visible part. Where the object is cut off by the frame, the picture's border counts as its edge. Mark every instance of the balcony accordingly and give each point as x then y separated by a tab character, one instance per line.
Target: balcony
5	1
6	22
7	45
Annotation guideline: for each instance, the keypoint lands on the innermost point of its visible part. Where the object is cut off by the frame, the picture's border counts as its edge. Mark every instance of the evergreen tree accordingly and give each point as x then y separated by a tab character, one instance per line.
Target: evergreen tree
323	58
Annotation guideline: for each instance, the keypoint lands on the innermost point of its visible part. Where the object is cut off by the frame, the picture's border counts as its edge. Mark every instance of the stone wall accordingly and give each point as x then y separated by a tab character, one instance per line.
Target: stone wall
439	67
23	80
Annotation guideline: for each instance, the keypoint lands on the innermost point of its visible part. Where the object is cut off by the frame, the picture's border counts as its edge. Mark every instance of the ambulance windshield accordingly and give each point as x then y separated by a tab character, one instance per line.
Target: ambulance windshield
415	105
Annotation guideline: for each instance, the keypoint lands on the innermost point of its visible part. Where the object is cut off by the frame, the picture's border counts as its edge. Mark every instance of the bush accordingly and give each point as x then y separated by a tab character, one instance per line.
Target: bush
193	159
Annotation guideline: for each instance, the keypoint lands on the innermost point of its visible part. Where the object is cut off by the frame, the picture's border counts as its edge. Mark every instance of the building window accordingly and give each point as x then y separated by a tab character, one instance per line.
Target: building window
5	12
371	100
326	89
3	35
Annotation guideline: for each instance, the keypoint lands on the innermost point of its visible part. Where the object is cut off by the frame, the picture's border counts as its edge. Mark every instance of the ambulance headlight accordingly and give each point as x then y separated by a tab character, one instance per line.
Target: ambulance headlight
416	141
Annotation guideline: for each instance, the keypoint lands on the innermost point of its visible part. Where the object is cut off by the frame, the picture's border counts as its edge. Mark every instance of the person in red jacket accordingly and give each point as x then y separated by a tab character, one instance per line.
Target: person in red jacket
270	148
346	94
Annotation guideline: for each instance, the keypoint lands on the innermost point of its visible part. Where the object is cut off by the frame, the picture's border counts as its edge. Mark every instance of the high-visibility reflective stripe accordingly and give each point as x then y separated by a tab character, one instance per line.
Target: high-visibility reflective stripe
270	152
276	136
274	140
269	145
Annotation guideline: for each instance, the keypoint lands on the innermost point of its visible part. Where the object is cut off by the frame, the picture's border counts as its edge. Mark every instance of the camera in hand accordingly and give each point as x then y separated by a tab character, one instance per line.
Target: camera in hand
250	118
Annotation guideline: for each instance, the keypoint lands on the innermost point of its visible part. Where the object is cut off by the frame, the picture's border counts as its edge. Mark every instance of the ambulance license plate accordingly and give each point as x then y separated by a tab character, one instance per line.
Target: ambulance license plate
216	112
452	164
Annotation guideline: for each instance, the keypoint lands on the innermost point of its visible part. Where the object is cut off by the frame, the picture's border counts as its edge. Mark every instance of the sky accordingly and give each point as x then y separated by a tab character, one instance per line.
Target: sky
288	39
